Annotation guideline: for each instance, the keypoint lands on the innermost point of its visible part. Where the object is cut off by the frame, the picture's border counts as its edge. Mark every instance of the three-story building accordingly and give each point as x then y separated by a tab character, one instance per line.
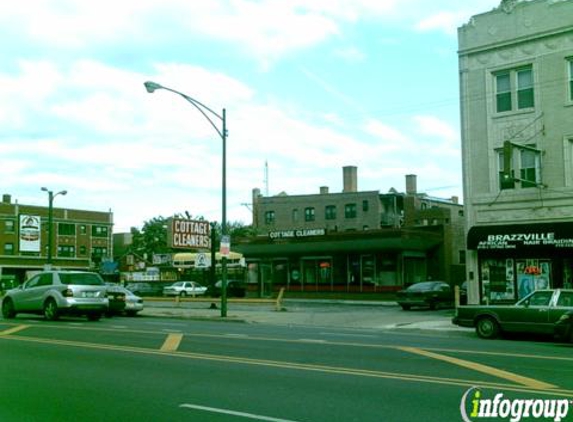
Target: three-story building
81	239
516	94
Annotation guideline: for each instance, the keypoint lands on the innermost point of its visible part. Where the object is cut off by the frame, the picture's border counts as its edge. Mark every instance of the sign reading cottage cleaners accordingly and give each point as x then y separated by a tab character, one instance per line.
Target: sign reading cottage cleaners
518	237
189	234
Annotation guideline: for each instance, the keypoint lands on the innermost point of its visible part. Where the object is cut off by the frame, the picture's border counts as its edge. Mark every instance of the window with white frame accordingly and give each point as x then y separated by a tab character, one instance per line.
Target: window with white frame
525	171
514	89
570	73
529	168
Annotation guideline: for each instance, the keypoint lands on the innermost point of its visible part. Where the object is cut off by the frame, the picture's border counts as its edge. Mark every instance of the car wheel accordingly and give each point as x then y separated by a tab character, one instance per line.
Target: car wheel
131	313
94	317
51	310
183	294
405	307
8	311
487	327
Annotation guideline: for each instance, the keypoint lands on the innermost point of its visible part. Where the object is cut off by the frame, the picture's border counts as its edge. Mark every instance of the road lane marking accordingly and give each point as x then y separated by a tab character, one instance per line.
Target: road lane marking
171	343
234	413
459	382
528	382
289	340
13	330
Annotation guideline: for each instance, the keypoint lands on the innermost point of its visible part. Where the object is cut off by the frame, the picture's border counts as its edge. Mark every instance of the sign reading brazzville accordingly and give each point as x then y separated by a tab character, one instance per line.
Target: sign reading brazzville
189	234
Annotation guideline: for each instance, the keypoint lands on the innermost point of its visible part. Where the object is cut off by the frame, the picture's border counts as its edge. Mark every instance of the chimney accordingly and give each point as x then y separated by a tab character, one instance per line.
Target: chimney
455	200
324	190
411	188
350	179
6	198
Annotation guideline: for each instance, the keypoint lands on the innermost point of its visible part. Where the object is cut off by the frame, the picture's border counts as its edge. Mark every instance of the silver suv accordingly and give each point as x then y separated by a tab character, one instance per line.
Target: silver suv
55	293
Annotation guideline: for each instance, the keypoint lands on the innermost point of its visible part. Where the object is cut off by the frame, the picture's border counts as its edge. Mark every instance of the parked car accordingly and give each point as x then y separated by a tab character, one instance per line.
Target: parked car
145	289
235	288
184	288
464	293
564	326
130	304
116	299
540	312
431	294
56	293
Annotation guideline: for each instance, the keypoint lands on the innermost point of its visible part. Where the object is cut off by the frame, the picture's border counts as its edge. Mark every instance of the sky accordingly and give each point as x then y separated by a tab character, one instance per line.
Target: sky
309	86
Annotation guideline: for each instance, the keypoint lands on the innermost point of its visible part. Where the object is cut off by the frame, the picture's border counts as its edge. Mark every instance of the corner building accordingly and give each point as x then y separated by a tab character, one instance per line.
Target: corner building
81	239
516	97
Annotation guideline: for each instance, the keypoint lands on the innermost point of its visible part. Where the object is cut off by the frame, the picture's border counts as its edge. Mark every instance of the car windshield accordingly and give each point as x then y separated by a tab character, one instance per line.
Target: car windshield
83	279
178	284
421	287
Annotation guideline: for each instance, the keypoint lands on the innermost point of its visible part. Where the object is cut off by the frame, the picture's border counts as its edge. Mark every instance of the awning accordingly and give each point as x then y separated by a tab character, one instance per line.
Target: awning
531	237
188	258
345	246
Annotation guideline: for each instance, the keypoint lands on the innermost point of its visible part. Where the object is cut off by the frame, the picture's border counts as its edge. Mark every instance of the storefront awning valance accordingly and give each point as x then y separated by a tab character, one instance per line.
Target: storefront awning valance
334	246
534	237
190	257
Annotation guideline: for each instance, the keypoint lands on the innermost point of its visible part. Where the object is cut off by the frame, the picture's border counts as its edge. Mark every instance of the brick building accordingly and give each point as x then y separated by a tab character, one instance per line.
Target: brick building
356	241
81	239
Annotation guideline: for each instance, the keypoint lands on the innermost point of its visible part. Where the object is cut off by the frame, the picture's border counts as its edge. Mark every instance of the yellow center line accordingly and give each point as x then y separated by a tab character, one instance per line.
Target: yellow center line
13	330
528	382
171	343
297	366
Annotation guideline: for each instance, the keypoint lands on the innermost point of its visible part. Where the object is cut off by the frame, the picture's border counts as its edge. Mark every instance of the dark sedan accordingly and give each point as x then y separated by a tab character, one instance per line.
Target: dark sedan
541	312
235	288
428	294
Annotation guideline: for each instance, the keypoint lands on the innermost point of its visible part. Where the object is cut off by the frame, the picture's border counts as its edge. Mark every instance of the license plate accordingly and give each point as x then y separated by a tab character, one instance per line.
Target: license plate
89	294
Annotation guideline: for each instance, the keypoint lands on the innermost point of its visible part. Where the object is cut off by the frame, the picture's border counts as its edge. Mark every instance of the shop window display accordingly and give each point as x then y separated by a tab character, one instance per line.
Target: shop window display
498	280
532	274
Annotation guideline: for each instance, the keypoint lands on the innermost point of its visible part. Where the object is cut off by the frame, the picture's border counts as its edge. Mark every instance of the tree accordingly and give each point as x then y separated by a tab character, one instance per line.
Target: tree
152	238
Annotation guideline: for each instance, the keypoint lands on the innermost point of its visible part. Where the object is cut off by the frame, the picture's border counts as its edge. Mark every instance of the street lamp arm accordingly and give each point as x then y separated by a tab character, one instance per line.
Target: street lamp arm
152	86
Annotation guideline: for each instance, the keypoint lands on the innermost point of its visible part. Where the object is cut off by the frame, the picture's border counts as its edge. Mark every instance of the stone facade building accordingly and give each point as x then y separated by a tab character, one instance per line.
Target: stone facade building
516	94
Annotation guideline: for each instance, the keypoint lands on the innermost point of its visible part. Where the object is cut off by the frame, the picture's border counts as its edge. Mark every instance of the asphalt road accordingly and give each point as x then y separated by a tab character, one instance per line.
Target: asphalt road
161	369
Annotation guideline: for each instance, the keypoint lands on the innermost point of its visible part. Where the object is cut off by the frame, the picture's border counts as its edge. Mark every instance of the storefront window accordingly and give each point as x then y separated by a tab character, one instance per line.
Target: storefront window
532	274
510	280
317	270
498	281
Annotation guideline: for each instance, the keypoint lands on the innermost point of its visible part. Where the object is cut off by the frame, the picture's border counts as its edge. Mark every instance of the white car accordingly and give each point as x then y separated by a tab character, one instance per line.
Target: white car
122	301
184	288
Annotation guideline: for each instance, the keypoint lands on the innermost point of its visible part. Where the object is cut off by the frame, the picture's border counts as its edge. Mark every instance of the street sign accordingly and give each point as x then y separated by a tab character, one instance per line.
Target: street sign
225	246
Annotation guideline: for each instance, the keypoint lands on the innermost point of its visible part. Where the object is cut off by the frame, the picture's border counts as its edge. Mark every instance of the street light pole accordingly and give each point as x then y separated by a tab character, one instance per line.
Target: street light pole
51	197
204	110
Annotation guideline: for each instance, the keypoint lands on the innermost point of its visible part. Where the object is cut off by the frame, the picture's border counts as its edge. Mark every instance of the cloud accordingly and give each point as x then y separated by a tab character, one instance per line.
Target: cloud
445	21
350	54
386	133
433	126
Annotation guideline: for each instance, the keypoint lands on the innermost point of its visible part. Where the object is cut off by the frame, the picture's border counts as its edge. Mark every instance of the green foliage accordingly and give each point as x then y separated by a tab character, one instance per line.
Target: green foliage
152	238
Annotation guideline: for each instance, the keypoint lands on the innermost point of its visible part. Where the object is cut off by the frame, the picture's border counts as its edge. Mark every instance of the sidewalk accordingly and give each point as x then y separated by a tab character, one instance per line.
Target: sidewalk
340	314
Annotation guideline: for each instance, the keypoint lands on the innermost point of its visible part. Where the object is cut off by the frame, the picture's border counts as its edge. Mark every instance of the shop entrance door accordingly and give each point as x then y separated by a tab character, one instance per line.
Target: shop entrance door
317	272
367	271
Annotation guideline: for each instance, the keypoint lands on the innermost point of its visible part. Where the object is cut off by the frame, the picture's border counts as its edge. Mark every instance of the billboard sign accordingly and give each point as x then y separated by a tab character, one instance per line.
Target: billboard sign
29	233
189	234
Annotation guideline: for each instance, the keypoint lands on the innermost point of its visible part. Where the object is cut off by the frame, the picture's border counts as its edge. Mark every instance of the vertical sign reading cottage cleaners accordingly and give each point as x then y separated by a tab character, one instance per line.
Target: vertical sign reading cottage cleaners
189	234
